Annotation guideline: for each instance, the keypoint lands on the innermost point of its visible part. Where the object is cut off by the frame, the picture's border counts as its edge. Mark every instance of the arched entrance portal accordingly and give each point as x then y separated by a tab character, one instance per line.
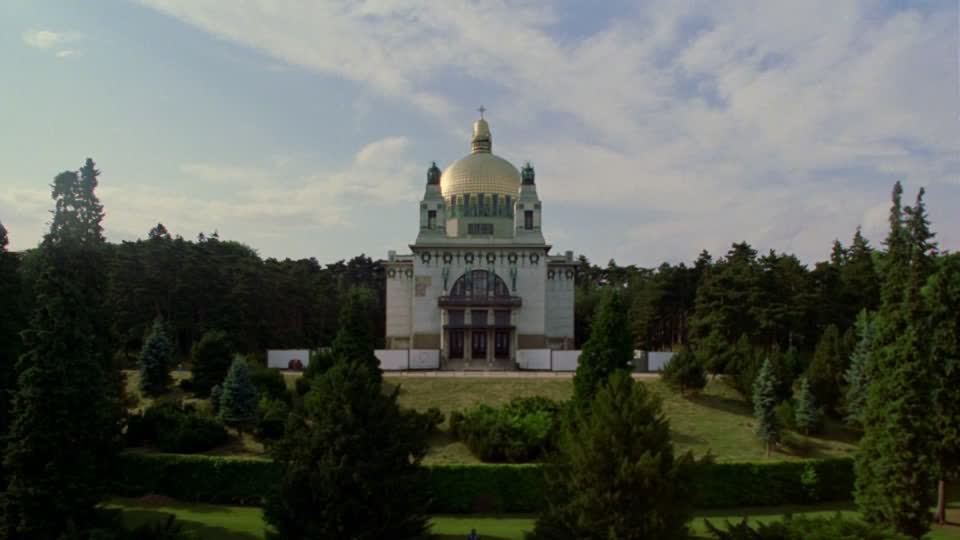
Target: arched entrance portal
479	320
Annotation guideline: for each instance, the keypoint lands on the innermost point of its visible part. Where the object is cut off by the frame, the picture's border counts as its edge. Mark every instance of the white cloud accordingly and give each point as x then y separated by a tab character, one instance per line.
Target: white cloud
42	39
752	125
48	39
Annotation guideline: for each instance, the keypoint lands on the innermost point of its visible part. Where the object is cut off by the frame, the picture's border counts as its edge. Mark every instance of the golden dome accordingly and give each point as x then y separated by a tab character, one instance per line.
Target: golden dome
481	171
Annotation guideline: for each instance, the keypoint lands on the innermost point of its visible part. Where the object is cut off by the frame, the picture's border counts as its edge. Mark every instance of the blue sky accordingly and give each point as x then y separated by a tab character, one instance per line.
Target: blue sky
658	128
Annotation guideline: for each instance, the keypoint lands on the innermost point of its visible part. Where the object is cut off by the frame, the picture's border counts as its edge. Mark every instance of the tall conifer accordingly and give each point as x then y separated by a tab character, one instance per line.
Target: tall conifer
609	349
895	458
858	374
66	422
807	414
765	406
943	297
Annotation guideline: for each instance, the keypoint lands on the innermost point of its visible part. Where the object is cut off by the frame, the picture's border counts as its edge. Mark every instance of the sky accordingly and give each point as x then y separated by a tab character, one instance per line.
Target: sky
657	128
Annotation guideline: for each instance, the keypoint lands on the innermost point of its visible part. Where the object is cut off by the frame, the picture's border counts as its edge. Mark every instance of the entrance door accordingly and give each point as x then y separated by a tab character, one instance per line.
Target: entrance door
478	349
501	344
456	344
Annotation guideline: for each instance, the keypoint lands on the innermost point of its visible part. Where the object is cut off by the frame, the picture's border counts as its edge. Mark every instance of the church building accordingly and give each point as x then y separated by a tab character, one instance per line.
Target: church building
480	284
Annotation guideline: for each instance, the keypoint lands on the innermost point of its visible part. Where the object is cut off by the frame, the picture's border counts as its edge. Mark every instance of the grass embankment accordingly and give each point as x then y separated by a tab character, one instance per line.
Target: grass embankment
718	419
214	522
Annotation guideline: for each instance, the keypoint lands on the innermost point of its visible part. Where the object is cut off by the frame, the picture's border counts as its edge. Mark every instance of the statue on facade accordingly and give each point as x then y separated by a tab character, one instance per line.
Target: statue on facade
433	175
527	174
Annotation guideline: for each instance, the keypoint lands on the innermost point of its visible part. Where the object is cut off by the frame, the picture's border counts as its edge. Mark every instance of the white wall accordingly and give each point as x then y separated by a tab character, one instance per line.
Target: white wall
393	359
399	293
533	359
424	359
656	360
281	358
565	360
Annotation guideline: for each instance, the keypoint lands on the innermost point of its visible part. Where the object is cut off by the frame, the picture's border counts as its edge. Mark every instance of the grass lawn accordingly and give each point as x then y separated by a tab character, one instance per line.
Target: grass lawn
245	523
717	420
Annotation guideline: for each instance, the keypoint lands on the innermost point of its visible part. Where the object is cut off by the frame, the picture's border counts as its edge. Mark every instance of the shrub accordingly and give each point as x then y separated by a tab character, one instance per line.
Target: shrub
271	418
787	415
172	428
684	372
501	488
804	528
269	382
520	431
211	359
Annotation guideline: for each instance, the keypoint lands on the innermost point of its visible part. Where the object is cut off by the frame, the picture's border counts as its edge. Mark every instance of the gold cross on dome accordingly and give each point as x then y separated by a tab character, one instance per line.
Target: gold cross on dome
482	110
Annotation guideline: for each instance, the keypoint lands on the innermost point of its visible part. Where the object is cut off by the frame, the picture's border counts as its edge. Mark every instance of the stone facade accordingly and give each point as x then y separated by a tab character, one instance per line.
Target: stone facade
480	282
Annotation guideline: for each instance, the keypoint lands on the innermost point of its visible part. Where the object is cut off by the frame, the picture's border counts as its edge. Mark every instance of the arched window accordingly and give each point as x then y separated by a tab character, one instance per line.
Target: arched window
479	284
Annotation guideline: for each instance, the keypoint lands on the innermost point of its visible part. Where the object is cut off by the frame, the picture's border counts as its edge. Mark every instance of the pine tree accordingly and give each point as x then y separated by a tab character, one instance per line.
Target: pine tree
66	415
684	372
238	396
350	462
355	340
765	406
895	458
857	376
609	349
616	475
807	415
155	361
211	360
826	370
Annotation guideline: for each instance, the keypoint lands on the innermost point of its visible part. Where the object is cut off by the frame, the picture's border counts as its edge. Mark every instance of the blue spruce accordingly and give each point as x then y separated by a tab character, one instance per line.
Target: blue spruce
765	406
155	360
238	398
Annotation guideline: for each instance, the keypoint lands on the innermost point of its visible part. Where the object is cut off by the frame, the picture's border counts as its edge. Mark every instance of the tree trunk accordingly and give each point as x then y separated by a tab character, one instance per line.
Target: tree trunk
941	514
768	449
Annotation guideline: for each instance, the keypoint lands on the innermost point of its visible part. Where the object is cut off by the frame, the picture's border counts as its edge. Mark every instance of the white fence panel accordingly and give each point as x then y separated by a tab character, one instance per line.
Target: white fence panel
393	359
656	360
533	359
565	360
288	358
424	359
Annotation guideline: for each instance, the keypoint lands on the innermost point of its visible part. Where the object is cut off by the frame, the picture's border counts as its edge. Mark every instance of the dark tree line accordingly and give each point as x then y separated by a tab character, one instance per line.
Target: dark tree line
215	284
774	299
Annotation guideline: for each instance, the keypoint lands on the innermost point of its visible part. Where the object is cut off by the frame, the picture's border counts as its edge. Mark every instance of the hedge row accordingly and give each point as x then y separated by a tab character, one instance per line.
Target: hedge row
481	488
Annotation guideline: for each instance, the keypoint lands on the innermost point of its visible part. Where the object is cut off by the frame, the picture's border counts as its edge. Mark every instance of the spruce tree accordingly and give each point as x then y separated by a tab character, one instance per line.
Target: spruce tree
355	340
350	462
211	360
943	296
684	372
765	406
807	415
616	475
66	421
238	396
895	458
857	374
156	358
609	349
826	370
